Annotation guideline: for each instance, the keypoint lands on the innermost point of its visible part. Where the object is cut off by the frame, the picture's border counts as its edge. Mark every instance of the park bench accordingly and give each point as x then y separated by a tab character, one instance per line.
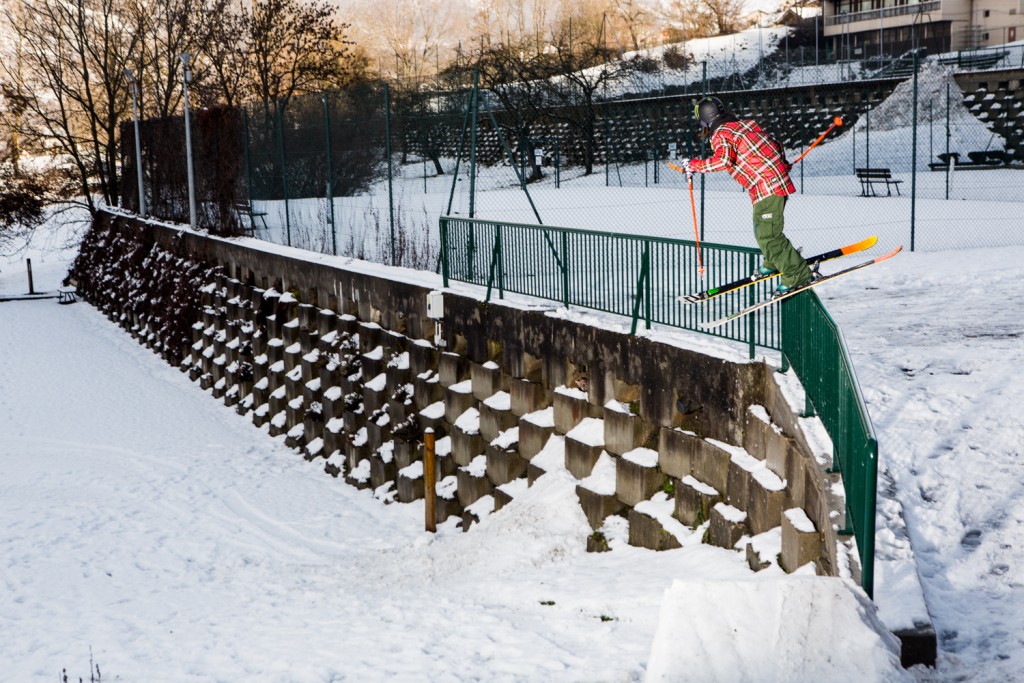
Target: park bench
868	177
67	295
247	217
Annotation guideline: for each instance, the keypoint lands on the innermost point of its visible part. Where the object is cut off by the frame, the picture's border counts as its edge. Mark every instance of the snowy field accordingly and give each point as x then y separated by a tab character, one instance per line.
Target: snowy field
145	521
151	525
965	208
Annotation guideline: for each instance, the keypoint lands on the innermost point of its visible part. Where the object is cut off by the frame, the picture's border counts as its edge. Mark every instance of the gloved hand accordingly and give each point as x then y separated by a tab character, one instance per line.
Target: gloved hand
683	166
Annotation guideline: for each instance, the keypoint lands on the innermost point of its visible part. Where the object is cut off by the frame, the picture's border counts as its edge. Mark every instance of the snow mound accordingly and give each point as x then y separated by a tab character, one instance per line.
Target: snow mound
793	629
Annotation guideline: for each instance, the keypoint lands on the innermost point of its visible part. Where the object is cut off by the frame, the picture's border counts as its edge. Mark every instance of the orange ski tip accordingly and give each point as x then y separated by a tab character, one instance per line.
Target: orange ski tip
838	120
860	246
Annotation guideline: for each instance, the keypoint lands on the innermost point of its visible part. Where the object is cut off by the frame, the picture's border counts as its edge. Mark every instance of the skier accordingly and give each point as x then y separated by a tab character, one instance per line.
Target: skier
758	163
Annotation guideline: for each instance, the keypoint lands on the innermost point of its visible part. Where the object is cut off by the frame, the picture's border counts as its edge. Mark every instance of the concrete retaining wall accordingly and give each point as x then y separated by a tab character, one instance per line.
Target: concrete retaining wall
344	365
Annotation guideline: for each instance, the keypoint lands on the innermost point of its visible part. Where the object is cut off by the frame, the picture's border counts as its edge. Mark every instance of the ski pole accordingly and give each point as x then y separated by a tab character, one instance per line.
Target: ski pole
696	233
693	210
836	122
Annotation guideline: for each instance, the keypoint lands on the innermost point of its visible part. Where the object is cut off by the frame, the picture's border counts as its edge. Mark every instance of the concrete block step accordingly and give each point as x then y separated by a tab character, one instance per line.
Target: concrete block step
584	444
625	431
571	407
534	430
694	500
647	532
728	525
637	476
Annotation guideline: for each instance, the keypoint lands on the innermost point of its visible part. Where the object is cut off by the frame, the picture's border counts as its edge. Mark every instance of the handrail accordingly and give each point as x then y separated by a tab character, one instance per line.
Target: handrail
814	344
631	275
639	277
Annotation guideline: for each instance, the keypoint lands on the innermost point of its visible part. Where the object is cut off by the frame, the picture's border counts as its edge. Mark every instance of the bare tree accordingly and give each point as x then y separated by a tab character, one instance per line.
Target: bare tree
225	50
636	18
294	46
516	75
22	202
409	36
691	18
584	67
726	14
74	53
170	28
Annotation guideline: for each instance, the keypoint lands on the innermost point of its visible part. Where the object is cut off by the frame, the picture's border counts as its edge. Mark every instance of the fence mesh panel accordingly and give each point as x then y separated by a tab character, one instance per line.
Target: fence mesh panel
940	152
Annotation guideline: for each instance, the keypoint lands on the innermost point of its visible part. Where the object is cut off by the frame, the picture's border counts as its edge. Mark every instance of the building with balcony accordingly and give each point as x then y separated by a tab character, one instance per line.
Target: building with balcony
868	29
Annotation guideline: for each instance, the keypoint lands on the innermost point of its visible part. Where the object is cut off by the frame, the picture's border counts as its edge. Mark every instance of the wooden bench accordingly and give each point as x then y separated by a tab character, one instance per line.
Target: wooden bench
247	217
67	295
869	176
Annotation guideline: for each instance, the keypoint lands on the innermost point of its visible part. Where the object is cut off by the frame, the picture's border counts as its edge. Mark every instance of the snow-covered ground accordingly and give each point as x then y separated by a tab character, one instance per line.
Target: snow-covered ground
142	519
937	343
151	525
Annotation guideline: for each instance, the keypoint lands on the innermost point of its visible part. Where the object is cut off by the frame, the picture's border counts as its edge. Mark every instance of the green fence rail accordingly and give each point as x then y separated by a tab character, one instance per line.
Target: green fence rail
631	275
640	277
813	343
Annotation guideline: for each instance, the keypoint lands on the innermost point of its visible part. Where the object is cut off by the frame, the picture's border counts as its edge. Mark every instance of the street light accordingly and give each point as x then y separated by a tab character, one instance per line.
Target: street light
187	77
130	75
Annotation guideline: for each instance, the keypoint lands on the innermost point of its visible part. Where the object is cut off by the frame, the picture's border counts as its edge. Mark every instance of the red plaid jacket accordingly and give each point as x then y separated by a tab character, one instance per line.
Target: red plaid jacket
751	156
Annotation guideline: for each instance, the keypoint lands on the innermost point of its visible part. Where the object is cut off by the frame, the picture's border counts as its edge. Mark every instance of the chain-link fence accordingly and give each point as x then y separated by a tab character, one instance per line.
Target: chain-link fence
929	154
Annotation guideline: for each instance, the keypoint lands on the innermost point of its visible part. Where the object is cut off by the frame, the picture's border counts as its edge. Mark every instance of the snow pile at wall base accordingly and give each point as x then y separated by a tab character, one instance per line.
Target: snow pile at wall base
794	630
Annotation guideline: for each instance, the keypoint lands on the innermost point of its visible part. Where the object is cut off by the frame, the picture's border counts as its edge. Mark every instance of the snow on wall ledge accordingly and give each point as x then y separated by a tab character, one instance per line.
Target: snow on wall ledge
337	357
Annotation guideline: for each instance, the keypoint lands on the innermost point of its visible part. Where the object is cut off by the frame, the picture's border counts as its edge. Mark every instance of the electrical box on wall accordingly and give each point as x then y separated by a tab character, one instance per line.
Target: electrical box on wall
435	311
435	305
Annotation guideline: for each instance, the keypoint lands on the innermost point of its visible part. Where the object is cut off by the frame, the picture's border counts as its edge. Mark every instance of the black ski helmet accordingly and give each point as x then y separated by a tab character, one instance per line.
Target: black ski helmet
709	110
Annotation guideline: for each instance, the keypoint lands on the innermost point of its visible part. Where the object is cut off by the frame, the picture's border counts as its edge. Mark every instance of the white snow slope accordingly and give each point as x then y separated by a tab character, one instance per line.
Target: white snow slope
143	520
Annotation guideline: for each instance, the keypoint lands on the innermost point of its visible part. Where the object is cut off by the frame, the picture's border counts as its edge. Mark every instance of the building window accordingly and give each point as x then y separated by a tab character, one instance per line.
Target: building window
984	36
988	13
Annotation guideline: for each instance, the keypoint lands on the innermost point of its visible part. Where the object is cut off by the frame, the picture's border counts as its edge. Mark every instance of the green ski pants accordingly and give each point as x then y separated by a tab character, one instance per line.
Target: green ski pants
778	251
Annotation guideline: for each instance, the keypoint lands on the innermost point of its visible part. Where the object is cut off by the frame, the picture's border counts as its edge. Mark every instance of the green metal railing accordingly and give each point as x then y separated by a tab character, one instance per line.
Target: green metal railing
813	343
641	277
630	275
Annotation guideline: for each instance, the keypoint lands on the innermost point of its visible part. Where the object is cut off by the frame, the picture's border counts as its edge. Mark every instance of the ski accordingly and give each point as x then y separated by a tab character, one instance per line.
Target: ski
813	261
813	283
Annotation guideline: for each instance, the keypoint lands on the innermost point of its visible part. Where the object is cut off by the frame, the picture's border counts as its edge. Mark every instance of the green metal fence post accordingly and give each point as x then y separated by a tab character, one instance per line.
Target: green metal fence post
657	158
703	152
803	131
444	250
284	174
607	152
647	287
248	160
558	163
330	178
524	145
867	135
501	266
565	268
458	156
641	288
867	540
472	144
751	329
948	135
913	165
391	188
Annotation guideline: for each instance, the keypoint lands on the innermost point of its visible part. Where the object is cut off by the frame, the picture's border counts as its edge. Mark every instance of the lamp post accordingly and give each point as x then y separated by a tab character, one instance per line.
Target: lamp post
186	77
130	75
